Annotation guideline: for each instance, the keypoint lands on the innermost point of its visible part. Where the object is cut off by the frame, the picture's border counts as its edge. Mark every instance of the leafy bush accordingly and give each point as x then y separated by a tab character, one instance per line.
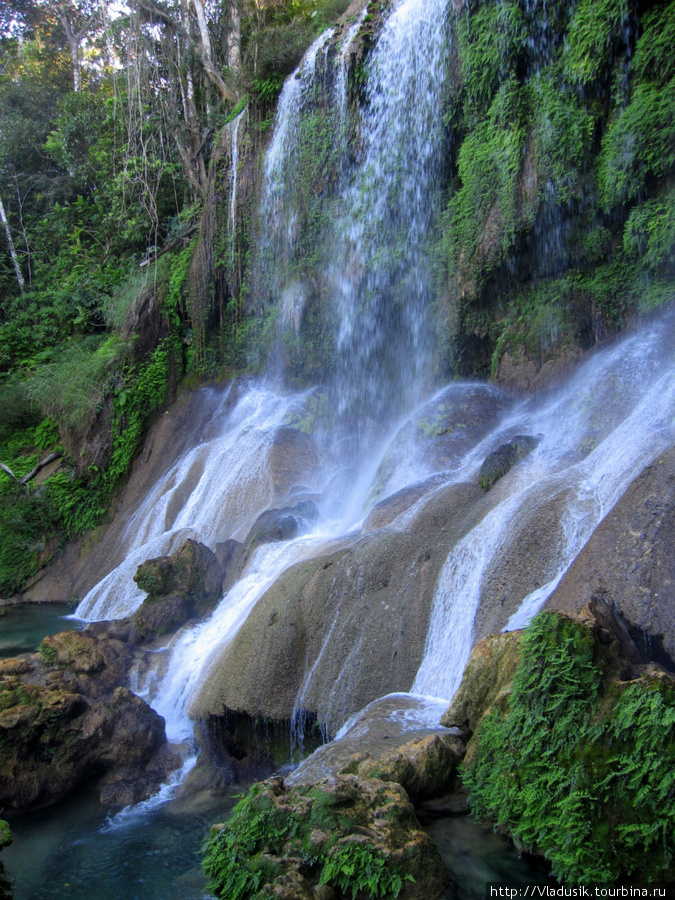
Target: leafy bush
576	768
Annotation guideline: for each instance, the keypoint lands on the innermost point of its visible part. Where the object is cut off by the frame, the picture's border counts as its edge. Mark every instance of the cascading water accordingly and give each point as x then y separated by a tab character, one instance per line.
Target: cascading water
598	432
372	194
376	276
610	421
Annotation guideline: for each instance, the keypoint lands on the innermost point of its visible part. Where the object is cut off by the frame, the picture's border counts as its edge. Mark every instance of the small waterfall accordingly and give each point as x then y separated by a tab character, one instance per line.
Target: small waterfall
215	491
616	414
279	215
233	180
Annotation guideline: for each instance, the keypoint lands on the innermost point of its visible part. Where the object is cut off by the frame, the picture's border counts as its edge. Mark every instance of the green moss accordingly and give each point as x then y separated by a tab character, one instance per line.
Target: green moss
490	42
489	163
596	29
578	769
239	856
640	142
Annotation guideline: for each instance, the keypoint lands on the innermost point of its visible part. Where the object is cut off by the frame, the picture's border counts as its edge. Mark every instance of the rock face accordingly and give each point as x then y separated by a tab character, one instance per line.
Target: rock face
326	841
630	560
498	463
64	718
456	419
393	739
335	632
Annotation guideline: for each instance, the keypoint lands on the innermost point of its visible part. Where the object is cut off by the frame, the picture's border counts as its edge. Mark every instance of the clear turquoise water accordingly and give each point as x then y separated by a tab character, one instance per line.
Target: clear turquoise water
23	627
72	851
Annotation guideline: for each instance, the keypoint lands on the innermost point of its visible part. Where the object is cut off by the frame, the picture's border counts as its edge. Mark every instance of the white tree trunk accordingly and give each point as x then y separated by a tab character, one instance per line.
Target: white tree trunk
12	251
234	39
74	44
207	54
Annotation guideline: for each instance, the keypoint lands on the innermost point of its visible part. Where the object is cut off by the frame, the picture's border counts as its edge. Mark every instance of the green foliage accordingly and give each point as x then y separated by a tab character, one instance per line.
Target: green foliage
654	59
489	164
358	866
576	769
650	231
144	392
640	142
237	856
596	28
71	386
489	45
563	131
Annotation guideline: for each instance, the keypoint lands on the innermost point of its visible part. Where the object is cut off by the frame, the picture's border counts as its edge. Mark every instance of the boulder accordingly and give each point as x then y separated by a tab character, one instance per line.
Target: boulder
329	840
51	739
283	524
188	584
501	460
396	738
192	570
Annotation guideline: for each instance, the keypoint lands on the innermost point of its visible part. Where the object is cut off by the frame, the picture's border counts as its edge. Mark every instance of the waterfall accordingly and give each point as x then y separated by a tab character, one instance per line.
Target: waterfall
610	421
371	277
233	180
213	492
375	269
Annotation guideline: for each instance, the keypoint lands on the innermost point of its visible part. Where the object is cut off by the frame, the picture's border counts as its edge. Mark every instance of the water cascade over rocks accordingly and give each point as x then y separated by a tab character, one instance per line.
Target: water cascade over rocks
410	561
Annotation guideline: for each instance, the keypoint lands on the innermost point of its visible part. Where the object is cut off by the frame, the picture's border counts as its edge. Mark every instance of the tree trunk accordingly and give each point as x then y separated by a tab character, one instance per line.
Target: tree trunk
12	250
207	55
234	39
74	44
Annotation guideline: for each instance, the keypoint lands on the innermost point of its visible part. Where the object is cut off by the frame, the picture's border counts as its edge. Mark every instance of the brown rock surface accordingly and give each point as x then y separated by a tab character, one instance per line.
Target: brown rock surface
630	560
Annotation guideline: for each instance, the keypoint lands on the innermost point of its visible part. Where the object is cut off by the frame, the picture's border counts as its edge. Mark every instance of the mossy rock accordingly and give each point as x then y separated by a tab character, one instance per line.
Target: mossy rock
358	836
574	761
502	460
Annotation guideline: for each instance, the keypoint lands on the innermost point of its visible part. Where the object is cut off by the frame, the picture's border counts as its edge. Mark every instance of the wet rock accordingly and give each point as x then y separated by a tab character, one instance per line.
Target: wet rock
229	554
52	739
125	785
500	461
356	617
292	458
395	738
441	433
425	766
389	509
185	585
630	560
490	669
284	524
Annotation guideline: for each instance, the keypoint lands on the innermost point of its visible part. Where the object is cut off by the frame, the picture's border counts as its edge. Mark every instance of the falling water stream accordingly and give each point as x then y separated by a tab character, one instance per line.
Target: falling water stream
598	431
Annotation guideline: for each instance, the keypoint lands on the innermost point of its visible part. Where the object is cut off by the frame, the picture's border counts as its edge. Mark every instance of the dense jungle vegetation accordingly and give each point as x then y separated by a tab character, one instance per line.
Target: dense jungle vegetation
556	223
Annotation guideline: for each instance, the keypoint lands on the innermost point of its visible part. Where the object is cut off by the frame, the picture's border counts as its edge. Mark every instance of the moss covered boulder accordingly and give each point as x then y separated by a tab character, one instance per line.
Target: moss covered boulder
574	760
342	837
188	584
5	841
